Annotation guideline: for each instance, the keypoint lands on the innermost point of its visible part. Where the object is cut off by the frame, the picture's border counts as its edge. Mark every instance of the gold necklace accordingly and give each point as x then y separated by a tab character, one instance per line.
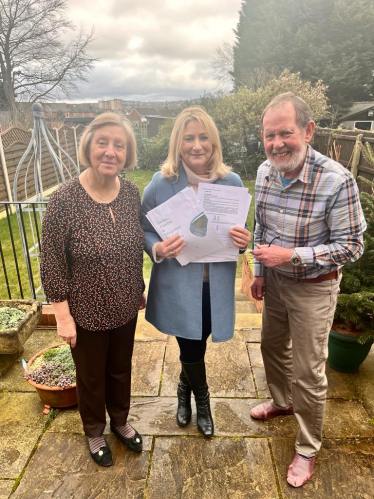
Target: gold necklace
96	194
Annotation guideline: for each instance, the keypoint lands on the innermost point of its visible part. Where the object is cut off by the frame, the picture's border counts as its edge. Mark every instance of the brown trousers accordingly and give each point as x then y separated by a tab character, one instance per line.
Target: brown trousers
103	365
296	322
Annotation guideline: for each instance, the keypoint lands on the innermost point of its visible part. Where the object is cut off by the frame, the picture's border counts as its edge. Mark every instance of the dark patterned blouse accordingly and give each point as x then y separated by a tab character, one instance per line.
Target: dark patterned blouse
90	261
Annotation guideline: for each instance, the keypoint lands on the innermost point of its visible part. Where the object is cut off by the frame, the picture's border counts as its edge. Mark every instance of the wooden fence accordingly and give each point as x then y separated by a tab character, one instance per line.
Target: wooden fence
13	143
344	146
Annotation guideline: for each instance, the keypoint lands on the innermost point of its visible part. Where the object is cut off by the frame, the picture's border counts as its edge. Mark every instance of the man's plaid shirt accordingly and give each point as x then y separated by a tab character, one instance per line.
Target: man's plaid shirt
318	213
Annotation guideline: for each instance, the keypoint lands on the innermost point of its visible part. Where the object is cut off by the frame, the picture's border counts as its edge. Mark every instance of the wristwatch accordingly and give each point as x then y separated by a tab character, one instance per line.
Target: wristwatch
295	259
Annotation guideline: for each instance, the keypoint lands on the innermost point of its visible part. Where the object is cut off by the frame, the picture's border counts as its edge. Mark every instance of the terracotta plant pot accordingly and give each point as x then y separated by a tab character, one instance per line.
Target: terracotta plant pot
53	396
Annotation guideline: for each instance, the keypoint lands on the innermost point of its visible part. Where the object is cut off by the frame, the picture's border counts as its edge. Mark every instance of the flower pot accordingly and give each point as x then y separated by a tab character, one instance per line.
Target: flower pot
53	396
346	354
12	340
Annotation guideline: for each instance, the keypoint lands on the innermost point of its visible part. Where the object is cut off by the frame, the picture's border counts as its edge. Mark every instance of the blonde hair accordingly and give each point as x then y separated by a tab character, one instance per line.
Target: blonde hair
173	162
108	119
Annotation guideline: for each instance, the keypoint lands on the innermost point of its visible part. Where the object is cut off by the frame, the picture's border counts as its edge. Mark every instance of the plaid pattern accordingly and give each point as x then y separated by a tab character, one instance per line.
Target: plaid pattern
319	214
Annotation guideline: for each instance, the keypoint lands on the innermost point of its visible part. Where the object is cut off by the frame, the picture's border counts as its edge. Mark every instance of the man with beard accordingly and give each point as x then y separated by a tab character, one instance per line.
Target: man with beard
309	223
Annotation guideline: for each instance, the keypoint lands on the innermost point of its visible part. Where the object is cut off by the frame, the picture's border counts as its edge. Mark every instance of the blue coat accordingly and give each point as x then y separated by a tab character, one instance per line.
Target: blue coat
174	303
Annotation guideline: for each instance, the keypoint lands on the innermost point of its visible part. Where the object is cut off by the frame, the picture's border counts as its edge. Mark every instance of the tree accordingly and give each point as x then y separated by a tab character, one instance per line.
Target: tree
238	115
310	38
34	61
223	64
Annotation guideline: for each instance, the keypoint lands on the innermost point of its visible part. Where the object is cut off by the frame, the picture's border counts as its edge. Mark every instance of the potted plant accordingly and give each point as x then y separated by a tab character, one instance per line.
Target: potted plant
18	320
52	372
353	330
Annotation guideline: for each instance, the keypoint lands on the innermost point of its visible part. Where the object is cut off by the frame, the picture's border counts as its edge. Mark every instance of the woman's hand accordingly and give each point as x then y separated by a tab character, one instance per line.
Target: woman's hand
240	237
143	302
66	329
171	247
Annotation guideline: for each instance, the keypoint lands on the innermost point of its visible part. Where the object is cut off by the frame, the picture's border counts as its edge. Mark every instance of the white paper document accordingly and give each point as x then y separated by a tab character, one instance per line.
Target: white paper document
226	207
183	214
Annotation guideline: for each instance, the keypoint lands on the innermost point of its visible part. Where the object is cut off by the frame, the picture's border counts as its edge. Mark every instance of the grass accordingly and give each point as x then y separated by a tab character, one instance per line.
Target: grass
140	177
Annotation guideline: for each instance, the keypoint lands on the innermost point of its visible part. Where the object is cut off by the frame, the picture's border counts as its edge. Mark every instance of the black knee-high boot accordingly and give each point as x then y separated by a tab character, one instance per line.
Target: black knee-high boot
196	376
184	400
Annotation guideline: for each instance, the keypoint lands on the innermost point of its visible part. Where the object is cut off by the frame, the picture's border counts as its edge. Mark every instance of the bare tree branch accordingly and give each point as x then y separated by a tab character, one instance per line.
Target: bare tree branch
34	61
223	64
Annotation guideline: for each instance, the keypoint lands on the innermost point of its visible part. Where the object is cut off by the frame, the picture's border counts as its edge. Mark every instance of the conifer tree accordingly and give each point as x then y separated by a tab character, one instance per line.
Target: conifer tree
330	40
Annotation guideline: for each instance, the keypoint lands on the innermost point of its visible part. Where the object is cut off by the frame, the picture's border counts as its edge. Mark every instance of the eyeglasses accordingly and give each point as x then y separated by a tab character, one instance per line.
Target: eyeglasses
274	238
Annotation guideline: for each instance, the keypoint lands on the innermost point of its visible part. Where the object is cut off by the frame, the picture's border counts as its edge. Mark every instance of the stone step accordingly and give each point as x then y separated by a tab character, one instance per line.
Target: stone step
245	307
248	321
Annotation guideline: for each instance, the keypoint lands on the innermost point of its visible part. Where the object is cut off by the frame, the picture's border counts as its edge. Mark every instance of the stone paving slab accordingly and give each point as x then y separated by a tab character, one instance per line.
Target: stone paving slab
6	487
239	295
347	419
7	361
13	380
193	468
258	369
248	320
245	307
62	467
250	335
147	363
145	330
341	385
344	470
21	424
363	380
228	369
157	416
68	421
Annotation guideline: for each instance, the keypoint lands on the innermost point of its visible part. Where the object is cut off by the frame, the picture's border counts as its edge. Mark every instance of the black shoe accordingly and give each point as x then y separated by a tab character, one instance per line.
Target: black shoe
134	444
196	376
102	457
184	401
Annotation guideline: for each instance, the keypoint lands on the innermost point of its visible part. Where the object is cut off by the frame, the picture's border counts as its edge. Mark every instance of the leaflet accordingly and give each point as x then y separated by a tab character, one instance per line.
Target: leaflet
183	214
226	207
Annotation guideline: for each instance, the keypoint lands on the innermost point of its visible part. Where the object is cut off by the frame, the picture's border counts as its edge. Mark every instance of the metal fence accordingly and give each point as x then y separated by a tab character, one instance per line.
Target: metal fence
20	237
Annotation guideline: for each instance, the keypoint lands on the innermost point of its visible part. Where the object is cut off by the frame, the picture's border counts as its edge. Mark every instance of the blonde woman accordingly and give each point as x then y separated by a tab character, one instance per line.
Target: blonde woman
92	259
197	300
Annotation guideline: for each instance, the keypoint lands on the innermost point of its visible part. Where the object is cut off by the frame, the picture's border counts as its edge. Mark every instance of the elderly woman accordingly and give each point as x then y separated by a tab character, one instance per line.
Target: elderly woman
92	257
196	300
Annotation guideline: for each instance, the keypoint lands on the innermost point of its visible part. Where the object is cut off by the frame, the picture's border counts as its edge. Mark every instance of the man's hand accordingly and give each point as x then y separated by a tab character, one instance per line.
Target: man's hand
272	256
258	288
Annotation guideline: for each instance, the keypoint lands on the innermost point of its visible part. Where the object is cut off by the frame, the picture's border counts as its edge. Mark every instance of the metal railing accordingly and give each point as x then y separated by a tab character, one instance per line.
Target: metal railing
20	242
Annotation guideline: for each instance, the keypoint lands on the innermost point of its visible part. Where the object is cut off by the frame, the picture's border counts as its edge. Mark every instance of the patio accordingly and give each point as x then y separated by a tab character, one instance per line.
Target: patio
46	456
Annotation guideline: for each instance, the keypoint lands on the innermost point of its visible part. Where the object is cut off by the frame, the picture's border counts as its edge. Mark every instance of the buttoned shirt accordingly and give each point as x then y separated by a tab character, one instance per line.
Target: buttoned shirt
318	213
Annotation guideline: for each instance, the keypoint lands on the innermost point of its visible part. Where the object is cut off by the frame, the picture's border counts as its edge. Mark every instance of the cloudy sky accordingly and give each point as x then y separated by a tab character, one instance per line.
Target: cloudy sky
153	49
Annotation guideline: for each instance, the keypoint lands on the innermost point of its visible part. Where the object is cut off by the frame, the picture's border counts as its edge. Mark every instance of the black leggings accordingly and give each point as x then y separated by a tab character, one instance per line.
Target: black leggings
192	351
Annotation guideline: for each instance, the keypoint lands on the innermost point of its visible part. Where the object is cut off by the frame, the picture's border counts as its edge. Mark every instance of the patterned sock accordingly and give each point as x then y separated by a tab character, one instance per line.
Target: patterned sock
95	443
126	431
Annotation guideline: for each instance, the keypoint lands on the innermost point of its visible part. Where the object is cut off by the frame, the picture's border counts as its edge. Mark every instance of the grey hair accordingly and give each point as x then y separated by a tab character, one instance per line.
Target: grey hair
304	114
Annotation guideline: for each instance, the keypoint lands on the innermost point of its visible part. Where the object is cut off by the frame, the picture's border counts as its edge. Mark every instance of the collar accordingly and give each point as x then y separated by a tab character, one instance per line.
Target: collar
305	174
194	179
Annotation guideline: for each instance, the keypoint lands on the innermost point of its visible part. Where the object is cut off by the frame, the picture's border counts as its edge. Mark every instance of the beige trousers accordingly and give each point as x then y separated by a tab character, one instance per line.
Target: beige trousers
296	321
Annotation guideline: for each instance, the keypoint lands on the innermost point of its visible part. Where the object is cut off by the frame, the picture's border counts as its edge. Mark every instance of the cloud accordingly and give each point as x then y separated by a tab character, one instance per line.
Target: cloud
158	47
